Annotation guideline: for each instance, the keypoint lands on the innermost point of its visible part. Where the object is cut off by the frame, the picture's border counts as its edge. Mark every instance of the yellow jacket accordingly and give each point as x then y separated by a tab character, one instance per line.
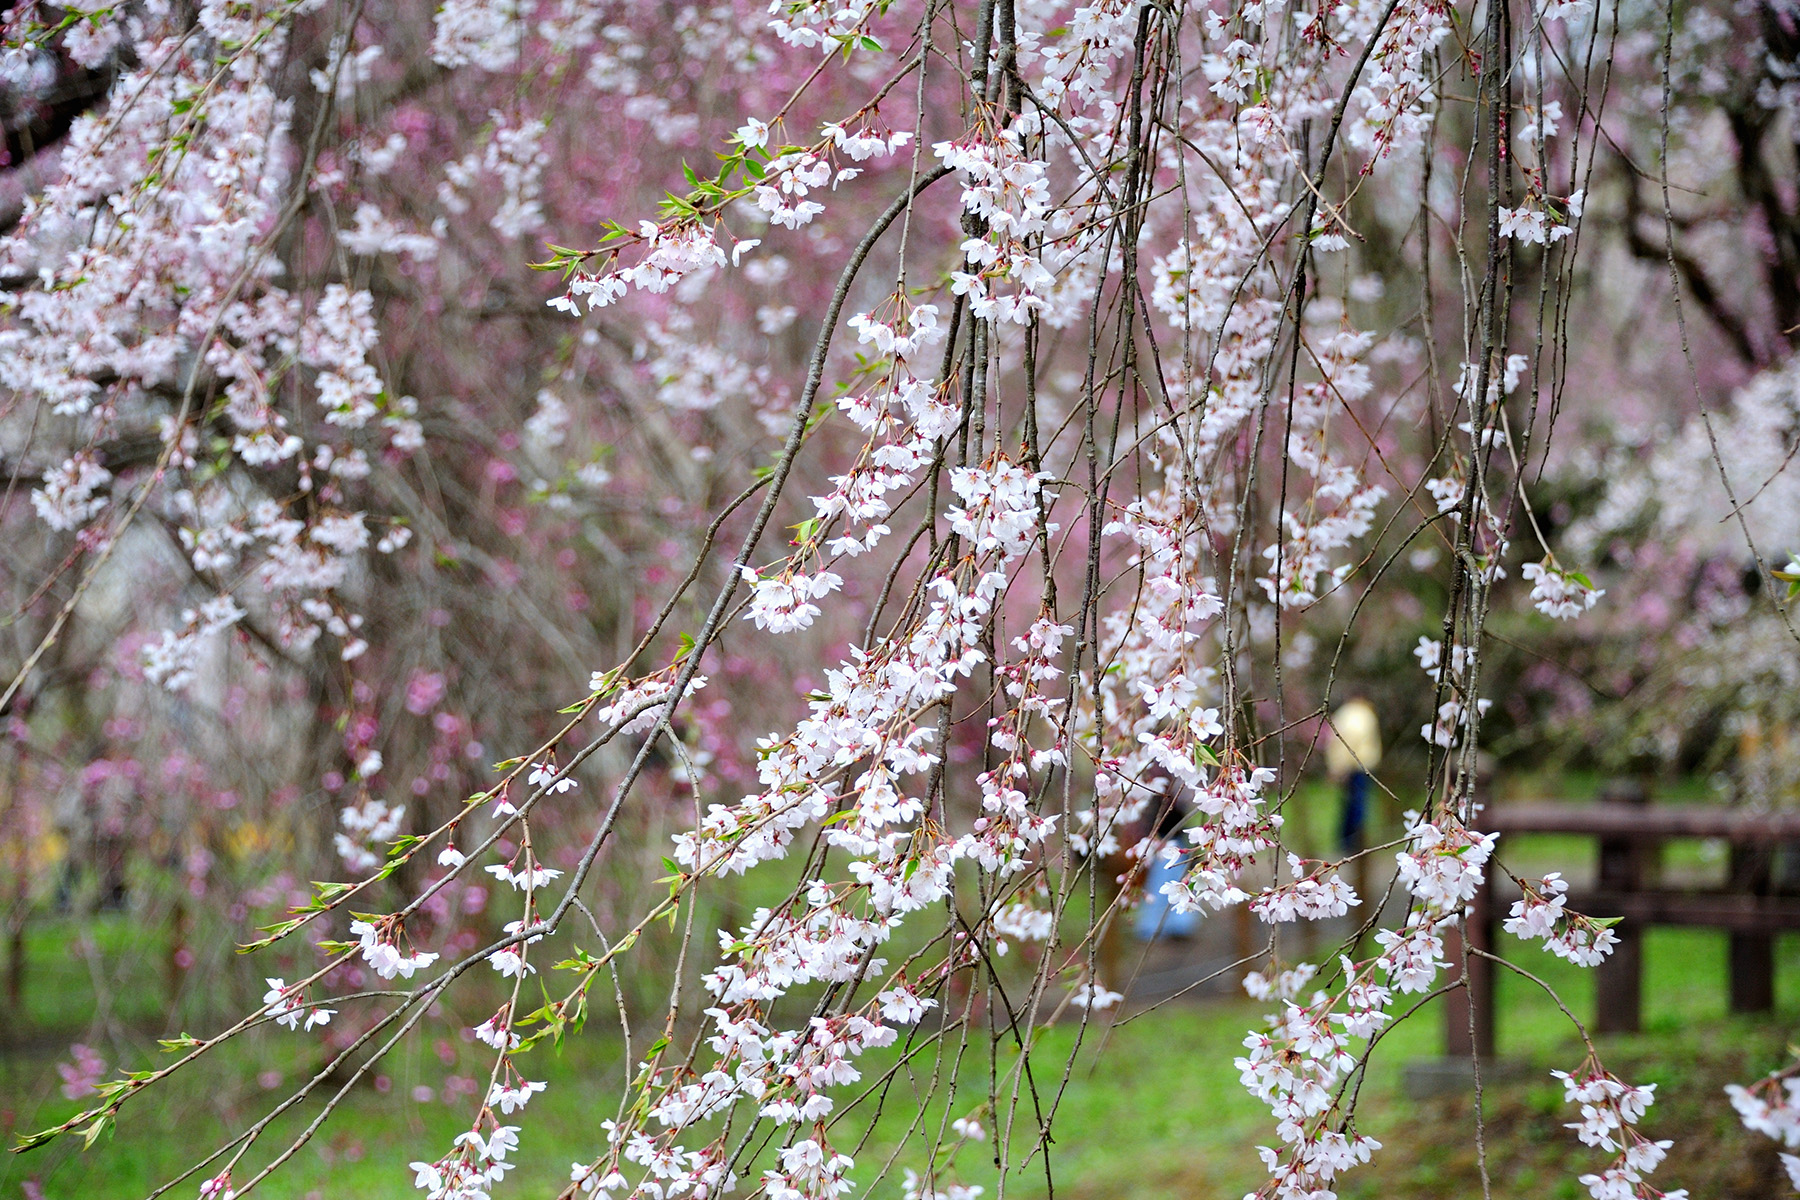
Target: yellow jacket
1355	743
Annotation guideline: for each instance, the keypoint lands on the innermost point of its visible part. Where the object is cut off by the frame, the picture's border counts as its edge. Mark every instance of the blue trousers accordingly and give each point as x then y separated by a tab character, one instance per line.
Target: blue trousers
1355	812
1155	918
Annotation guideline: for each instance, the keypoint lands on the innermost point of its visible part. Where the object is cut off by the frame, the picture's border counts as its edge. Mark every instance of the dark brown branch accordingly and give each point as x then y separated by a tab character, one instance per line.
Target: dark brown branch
1732	325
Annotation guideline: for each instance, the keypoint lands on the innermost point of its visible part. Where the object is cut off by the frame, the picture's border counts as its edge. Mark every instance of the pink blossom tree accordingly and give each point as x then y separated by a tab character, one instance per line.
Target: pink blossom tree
1110	365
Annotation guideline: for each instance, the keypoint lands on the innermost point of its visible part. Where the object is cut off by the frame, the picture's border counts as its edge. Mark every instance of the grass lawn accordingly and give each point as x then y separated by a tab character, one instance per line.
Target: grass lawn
1152	1106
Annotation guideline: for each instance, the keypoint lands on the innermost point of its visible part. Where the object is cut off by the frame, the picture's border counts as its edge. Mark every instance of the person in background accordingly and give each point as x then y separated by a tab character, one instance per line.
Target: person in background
1155	918
1352	753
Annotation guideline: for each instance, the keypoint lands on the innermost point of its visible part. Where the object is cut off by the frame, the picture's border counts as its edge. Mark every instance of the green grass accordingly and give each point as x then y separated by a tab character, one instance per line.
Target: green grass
1160	1100
1152	1107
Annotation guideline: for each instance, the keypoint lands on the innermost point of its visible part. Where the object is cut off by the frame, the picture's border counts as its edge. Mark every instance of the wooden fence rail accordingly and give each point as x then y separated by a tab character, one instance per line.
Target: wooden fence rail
1631	831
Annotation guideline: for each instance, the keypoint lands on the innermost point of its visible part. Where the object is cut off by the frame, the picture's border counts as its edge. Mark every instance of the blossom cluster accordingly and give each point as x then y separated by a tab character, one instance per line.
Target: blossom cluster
1611	1111
1454	715
472	1168
289	1009
1542	915
1771	1107
1561	594
376	944
1294	1066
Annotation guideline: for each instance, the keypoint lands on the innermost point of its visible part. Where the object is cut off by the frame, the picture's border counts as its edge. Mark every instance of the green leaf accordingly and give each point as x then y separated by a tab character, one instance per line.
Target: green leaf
92	1133
276	932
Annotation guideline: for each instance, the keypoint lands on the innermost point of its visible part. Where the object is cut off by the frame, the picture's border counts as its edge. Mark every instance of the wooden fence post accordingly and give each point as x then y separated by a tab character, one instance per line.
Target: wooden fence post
1619	977
1477	991
1752	957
